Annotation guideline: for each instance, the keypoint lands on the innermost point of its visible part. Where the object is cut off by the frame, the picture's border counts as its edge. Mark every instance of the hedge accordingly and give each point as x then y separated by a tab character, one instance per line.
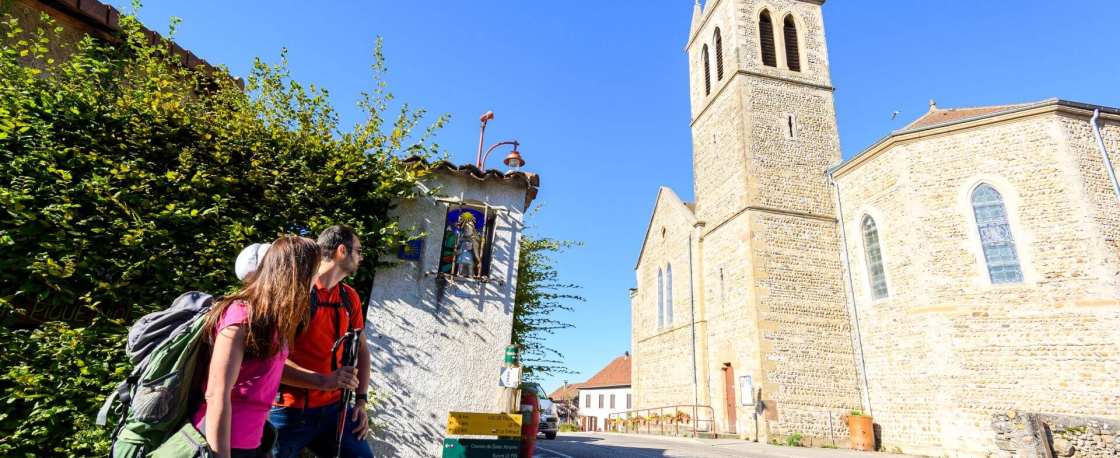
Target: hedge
127	179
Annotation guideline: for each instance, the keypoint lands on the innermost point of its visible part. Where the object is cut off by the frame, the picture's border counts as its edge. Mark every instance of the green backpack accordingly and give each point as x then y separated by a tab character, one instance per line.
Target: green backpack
165	388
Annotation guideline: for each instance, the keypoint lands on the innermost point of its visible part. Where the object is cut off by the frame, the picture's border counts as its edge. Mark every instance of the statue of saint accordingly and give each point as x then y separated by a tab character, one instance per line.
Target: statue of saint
467	252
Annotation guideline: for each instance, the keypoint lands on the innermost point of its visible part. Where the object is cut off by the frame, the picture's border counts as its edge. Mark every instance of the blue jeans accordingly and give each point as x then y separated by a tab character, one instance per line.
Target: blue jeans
315	428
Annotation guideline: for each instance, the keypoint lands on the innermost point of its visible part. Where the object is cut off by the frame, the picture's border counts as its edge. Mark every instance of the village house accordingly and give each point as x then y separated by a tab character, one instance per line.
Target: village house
607	392
566	399
959	274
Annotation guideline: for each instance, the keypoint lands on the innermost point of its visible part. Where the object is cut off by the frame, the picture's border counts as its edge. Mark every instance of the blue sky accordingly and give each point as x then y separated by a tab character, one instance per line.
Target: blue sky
597	94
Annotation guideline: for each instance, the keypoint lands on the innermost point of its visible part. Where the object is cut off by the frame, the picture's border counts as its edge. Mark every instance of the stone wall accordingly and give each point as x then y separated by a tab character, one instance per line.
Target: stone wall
662	371
1030	435
947	348
438	347
770	296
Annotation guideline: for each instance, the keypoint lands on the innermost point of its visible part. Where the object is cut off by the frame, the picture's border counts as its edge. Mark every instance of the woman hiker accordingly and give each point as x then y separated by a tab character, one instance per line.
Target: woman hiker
250	331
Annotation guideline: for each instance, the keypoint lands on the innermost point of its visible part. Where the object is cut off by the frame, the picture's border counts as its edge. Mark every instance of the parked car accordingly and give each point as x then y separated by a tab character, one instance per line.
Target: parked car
550	421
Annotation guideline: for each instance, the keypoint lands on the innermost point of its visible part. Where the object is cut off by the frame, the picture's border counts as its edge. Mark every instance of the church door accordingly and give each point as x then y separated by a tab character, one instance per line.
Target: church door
729	397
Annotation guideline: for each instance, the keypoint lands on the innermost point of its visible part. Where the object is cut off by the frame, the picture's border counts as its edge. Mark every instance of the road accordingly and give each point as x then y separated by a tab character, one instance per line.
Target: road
597	445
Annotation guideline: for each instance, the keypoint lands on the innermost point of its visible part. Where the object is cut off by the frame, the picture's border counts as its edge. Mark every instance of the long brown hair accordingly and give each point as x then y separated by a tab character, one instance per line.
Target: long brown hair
278	295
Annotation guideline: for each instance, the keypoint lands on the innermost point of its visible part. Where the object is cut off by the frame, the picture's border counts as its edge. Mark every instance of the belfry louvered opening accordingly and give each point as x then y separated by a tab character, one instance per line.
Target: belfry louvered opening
707	73
719	56
793	57
766	40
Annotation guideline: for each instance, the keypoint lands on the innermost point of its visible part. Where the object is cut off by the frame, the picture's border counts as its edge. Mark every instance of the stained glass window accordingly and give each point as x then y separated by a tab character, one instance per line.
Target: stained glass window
995	236
876	272
669	294
467	236
660	300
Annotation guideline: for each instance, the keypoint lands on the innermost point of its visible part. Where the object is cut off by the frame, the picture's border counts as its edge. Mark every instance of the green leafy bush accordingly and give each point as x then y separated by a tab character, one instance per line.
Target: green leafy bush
569	428
794	440
127	179
539	295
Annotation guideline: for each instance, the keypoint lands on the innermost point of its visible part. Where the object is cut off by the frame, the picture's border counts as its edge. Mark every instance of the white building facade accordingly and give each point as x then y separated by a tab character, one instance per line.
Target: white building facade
605	393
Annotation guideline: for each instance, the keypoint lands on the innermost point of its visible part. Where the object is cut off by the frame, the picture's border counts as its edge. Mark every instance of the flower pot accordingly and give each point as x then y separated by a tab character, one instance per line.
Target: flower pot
862	430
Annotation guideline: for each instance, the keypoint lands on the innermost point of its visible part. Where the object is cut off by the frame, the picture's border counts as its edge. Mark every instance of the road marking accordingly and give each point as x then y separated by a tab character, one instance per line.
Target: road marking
554	452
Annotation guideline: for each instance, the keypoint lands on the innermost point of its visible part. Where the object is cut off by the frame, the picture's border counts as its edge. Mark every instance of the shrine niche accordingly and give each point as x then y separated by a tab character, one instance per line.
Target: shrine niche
468	236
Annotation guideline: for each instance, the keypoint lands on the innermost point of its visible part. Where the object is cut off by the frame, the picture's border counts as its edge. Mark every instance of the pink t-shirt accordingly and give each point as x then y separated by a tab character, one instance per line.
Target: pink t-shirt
254	391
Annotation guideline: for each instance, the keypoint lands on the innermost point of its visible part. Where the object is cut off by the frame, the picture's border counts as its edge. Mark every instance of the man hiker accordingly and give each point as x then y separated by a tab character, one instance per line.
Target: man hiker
307	406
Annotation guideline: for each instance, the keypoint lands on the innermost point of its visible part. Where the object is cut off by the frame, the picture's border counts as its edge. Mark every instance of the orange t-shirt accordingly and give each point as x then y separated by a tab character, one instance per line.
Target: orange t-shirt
312	347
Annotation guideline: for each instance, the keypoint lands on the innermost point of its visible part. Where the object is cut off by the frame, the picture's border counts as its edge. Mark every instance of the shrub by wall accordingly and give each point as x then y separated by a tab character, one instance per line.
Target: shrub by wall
127	179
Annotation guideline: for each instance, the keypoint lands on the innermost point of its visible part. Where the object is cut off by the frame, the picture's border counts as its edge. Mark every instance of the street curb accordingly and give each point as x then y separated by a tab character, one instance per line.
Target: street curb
688	440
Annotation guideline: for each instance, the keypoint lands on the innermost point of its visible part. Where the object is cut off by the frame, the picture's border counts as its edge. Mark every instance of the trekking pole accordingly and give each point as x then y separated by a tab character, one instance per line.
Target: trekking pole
349	344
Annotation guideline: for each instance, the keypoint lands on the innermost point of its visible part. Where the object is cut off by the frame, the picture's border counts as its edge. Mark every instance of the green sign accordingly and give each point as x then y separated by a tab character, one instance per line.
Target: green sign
511	355
481	448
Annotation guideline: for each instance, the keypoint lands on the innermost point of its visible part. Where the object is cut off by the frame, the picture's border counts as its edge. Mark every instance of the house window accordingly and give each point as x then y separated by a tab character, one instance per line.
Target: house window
669	294
587	401
600	401
707	73
612	401
468	238
660	300
628	402
995	236
793	55
766	40
876	273
719	56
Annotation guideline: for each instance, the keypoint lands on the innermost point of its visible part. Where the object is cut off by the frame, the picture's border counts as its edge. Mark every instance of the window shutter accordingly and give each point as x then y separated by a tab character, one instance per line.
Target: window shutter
793	56
766	39
707	73
719	56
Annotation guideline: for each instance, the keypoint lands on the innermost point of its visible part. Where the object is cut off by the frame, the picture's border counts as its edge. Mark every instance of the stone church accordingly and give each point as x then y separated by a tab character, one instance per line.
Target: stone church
961	268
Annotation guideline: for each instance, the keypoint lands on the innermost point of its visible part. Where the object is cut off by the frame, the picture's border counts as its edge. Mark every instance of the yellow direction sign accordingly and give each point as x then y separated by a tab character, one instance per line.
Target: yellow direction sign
484	424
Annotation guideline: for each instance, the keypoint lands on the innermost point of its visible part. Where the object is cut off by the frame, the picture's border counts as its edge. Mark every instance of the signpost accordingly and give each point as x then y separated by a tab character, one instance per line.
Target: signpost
480	448
507	425
484	424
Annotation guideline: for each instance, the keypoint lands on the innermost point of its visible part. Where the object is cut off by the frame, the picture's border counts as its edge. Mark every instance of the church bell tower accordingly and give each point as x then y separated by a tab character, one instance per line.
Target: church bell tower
763	134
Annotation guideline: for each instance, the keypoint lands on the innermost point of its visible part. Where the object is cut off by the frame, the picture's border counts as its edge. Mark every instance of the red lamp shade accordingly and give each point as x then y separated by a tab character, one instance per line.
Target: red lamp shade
514	159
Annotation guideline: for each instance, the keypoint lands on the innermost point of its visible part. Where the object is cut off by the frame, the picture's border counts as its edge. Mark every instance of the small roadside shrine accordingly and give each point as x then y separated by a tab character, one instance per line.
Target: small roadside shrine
440	320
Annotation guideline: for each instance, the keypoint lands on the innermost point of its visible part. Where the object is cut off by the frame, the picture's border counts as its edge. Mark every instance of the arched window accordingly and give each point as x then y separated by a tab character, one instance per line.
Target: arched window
660	300
876	273
707	73
669	294
793	56
719	56
995	236
766	39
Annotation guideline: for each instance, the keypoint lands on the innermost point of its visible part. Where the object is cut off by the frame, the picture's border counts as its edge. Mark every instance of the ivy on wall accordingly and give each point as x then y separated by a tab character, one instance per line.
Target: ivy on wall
127	179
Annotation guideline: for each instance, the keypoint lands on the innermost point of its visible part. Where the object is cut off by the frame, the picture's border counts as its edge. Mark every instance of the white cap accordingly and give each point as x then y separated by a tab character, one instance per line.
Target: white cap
249	258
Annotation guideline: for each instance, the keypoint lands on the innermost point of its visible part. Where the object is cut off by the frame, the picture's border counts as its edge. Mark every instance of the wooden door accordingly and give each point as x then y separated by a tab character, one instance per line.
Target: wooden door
729	397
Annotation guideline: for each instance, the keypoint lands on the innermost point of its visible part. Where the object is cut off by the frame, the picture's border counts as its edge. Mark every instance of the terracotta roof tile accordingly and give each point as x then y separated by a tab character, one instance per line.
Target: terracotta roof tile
939	115
617	373
566	392
531	180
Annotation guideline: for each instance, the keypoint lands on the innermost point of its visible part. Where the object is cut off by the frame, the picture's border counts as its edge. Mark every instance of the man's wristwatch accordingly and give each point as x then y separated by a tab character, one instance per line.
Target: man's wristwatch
361	397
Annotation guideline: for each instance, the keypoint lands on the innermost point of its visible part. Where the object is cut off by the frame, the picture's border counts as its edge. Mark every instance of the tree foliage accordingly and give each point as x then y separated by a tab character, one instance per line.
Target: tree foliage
127	179
539	295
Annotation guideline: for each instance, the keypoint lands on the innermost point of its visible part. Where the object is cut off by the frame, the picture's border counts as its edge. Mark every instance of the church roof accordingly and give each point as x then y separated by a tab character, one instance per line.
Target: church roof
617	373
938	118
943	115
